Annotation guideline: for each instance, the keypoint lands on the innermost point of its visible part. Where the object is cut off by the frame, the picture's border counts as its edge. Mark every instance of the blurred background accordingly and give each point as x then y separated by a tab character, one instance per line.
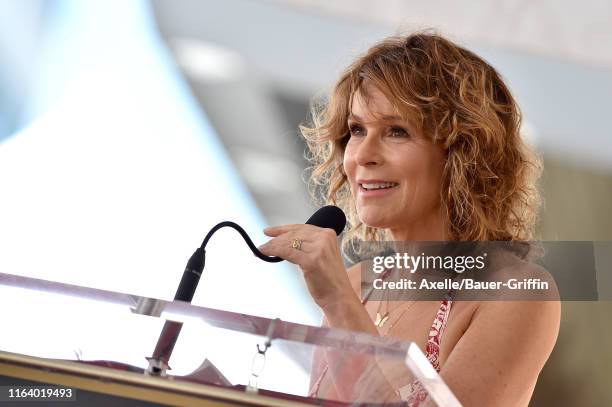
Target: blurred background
129	128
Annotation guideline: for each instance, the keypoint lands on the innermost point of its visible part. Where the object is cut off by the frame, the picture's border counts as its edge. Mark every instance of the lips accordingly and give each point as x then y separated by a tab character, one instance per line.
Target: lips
370	189
375	184
380	185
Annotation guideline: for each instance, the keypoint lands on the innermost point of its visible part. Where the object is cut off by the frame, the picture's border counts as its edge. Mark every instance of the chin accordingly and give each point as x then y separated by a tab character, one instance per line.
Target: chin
375	220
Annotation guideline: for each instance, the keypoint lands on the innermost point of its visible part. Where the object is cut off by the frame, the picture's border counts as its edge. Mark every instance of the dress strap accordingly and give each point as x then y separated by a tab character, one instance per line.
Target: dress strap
315	388
435	333
415	393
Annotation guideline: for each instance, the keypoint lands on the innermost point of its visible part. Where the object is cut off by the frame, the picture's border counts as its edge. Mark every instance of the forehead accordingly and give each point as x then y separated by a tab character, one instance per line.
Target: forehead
370	102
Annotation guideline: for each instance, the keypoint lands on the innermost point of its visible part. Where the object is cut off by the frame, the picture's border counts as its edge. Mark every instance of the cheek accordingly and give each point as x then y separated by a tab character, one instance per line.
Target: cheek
431	184
435	169
349	165
347	156
421	175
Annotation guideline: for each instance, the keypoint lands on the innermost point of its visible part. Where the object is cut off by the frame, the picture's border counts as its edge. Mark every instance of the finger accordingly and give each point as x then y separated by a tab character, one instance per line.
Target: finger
282	247
274	231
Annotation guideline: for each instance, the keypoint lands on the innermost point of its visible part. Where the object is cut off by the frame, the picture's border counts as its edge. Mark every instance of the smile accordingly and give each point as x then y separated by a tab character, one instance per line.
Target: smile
378	185
377	189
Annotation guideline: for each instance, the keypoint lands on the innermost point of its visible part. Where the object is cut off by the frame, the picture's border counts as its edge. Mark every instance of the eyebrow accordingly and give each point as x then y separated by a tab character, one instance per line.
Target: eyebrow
384	117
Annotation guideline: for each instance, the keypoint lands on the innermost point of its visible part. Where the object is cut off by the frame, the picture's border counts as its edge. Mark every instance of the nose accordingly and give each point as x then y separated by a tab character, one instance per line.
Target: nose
369	151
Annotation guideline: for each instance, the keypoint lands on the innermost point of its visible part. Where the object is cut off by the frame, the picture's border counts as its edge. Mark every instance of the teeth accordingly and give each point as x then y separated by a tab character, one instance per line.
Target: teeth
380	185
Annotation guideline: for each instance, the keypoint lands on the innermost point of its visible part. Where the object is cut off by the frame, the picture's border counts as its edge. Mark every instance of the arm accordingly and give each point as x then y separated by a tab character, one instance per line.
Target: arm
347	311
327	280
498	358
348	371
319	259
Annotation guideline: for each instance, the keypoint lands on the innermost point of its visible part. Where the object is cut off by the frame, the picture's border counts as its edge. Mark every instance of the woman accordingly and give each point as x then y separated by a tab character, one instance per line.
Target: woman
419	141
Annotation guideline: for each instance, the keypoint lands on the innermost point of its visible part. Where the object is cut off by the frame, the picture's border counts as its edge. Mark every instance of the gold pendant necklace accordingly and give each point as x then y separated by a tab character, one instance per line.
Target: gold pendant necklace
381	319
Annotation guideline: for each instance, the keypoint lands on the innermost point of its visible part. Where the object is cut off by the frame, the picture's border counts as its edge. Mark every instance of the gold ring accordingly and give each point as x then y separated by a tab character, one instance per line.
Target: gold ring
296	244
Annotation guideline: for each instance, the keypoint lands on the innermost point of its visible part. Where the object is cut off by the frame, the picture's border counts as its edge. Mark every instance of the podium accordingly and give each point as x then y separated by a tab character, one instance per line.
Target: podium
95	343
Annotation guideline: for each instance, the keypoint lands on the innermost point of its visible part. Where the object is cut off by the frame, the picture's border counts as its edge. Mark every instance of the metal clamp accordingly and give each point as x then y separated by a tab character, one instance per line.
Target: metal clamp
259	359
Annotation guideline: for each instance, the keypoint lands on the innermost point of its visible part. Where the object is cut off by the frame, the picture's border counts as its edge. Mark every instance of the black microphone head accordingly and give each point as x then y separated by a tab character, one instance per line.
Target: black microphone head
329	216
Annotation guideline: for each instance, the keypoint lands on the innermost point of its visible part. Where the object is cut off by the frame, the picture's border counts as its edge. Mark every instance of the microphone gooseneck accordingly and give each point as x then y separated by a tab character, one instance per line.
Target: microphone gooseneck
329	216
326	217
245	236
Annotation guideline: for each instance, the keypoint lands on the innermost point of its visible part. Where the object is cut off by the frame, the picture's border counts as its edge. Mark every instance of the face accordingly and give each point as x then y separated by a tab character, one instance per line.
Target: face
394	172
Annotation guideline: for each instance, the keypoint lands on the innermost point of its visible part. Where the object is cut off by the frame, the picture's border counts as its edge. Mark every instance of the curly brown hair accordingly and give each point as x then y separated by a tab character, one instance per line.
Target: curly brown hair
460	102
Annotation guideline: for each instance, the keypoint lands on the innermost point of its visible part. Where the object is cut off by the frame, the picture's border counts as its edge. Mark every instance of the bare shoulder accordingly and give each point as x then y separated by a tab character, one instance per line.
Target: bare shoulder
519	319
505	346
521	280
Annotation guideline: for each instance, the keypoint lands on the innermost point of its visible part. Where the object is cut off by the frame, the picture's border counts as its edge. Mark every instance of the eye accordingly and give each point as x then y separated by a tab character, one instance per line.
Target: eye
398	132
356	130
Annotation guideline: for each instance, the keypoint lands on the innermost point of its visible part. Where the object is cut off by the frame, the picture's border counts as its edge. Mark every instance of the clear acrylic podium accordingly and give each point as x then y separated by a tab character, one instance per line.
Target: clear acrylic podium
97	341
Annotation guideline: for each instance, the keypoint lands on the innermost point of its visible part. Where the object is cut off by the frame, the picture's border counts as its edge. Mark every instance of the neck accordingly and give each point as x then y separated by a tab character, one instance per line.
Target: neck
431	228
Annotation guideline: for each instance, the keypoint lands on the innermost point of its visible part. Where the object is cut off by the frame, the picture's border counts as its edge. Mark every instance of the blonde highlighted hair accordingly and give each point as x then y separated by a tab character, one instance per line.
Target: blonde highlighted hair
458	101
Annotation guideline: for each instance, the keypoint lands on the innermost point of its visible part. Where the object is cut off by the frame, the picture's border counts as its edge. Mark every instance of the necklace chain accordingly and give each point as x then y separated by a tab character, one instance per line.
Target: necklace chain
381	319
399	317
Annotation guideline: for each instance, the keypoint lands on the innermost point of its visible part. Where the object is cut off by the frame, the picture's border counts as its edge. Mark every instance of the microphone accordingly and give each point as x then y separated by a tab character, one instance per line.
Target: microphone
328	216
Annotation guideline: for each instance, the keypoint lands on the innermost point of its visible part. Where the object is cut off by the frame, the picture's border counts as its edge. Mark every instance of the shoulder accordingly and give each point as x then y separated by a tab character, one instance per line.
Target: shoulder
524	316
520	322
507	277
505	346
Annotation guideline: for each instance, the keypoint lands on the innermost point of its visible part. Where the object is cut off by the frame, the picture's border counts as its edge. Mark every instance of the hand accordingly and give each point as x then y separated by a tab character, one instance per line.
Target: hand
318	258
